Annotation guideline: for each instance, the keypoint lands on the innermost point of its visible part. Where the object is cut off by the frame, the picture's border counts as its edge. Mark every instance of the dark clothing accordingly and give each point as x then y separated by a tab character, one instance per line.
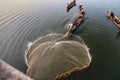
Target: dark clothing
83	12
80	6
112	14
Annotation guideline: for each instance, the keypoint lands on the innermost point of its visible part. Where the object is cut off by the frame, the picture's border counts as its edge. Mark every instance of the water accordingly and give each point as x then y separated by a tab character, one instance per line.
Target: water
25	21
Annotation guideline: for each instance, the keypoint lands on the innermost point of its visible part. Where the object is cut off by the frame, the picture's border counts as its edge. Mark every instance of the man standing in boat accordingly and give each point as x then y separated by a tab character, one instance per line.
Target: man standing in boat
81	8
111	13
82	11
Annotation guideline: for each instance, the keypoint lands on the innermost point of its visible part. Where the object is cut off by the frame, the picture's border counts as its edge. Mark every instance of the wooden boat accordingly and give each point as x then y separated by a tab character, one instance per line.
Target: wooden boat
76	24
113	19
69	6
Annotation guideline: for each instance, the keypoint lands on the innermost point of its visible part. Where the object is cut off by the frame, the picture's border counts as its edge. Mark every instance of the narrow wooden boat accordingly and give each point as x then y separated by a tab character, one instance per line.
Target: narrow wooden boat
113	19
69	6
76	24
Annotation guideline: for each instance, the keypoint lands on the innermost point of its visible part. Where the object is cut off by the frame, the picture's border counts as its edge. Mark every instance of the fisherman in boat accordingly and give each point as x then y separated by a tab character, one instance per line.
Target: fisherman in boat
82	11
115	18
78	21
111	13
75	24
80	6
69	32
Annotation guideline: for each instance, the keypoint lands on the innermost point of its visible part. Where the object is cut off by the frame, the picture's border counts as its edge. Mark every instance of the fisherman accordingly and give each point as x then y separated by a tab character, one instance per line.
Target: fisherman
111	13
80	6
77	21
82	11
70	27
117	20
69	32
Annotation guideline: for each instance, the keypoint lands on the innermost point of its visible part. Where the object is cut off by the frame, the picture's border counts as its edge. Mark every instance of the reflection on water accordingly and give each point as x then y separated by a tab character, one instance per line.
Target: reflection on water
23	21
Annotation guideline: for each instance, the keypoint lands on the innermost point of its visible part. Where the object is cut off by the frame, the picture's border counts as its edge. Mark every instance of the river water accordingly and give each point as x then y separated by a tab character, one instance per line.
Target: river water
25	21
